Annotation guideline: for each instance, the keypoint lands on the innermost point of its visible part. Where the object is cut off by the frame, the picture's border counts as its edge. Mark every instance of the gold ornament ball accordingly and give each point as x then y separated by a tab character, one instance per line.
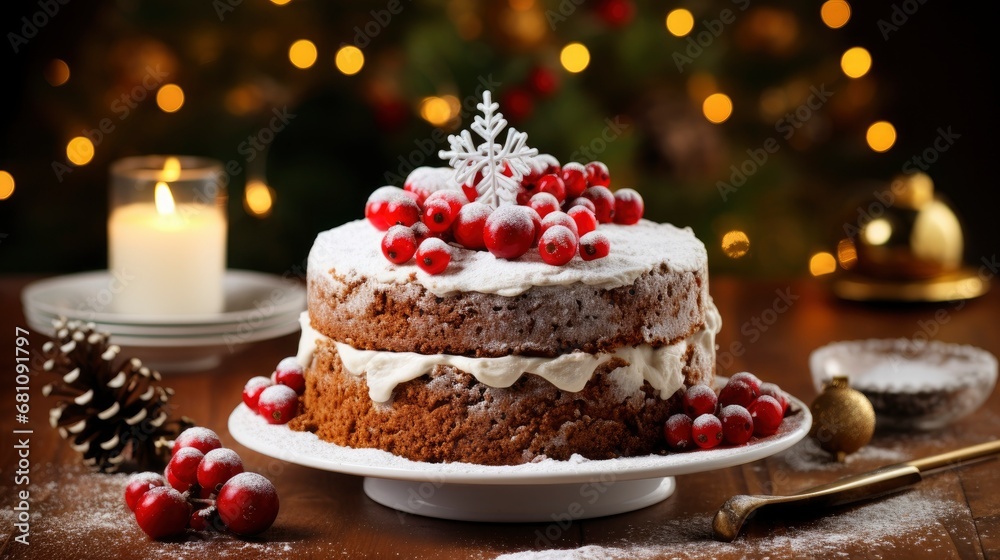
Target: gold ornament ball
843	419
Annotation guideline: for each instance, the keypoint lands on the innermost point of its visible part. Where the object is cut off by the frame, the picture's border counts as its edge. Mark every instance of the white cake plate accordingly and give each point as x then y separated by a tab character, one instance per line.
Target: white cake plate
547	491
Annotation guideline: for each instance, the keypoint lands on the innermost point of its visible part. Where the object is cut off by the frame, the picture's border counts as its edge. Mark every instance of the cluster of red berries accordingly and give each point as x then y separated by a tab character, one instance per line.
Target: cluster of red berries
276	398
203	487
744	407
558	209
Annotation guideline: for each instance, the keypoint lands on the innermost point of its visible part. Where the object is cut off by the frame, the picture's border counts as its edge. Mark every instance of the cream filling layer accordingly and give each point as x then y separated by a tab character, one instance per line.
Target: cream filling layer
383	371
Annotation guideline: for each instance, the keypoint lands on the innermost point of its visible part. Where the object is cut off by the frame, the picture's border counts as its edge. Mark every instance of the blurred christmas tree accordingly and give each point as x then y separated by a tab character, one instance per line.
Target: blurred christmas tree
738	119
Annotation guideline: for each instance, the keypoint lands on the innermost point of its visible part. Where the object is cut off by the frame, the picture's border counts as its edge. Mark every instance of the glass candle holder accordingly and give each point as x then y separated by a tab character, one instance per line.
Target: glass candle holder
167	236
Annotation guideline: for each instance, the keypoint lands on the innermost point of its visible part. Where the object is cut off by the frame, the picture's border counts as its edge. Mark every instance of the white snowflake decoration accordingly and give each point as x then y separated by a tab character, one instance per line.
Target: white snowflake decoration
488	158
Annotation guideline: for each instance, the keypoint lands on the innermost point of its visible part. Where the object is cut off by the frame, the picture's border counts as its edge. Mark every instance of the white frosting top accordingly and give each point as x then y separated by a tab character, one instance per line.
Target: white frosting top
353	251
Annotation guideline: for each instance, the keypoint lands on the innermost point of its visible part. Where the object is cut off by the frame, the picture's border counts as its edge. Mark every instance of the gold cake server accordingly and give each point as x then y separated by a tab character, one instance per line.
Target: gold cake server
864	486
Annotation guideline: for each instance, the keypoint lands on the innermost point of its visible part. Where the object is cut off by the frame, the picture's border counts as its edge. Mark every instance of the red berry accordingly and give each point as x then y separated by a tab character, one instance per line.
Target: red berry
247	503
706	431
559	219
545	164
175	482
553	185
536	221
597	174
628	207
290	374
433	256
252	390
544	203
580	201
469	225
678	432
470	191
402	211
586	221
749	378
594	245
203	519
202	439
440	210
775	392
509	231
699	399
557	245
278	404
574	177
140	483
218	466
399	244
421	232
766	414
184	465
162	512
604	203
378	201
737	424
737	391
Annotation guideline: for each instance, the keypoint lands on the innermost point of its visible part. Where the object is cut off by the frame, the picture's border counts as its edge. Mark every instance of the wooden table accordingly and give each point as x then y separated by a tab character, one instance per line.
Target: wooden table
955	514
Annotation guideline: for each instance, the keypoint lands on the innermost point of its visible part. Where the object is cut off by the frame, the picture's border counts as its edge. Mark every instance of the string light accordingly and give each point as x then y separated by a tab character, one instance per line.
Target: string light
856	62
349	60
847	254
835	13
881	136
170	98
574	57
735	244
80	150
435	110
822	263
6	185
680	22
302	53
717	107
258	198
56	72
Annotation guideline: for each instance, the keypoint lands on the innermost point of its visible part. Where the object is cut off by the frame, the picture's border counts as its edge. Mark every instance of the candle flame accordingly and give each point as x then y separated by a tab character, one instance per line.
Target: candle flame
171	169
164	199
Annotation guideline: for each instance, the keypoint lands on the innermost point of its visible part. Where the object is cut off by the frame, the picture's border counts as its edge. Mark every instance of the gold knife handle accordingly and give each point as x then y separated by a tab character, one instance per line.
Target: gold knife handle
857	487
953	458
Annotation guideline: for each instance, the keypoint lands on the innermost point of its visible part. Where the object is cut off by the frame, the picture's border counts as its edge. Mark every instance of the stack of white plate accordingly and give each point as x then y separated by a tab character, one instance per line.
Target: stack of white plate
258	307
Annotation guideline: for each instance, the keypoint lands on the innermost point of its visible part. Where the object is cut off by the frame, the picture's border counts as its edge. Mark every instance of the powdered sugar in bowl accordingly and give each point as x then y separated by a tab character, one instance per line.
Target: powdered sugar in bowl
912	384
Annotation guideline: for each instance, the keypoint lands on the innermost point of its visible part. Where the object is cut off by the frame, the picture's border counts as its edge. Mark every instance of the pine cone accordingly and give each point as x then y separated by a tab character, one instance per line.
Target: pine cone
111	410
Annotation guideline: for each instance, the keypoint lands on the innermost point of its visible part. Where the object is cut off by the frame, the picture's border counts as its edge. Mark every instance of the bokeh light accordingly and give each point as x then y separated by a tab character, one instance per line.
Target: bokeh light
6	185
56	72
436	110
680	22
302	53
170	98
881	136
847	254
735	244
574	57
258	198
717	107
835	13
280	2
80	150
349	60
856	62
878	231
822	263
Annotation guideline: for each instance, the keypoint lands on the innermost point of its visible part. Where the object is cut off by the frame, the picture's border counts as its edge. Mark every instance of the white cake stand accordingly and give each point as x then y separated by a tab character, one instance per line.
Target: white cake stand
547	491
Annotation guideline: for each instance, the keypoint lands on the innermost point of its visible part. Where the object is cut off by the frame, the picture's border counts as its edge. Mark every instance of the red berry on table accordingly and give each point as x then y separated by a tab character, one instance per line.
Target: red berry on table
509	231
175	482
184	465
140	483
469	224
247	504
218	466
559	219
580	201
278	404
402	211
378	201
557	246
574	176
440	210
433	256
706	430
162	512
594	245
202	439
737	424
604	203
597	174
738	391
203	518
700	399
586	221
772	390
553	185
253	389
399	244
628	207
678	431
767	415
544	203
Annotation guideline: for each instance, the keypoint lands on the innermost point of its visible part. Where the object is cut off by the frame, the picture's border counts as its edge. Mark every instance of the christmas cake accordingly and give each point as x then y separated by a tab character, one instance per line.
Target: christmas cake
523	325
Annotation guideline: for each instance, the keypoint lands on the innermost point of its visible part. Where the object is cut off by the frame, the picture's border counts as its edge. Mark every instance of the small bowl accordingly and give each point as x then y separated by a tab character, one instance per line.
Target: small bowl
911	384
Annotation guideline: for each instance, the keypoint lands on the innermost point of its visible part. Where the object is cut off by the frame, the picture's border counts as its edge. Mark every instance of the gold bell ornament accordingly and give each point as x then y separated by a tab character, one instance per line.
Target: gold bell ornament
843	419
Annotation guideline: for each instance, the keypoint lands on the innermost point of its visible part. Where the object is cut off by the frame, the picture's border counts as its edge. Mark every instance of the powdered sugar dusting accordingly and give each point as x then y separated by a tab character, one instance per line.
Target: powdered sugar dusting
224	456
277	395
352	251
431	179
